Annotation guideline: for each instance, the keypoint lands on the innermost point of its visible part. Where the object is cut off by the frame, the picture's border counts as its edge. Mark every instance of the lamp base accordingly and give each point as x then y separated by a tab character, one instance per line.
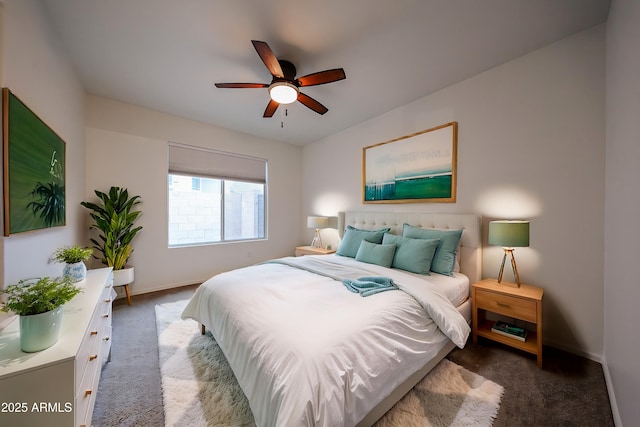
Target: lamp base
509	251
317	240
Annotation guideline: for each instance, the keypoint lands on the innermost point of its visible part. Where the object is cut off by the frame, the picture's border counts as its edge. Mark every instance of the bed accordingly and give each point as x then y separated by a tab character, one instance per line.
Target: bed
307	350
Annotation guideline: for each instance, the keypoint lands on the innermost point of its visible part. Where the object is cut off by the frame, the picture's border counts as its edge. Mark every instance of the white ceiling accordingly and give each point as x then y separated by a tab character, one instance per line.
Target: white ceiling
167	54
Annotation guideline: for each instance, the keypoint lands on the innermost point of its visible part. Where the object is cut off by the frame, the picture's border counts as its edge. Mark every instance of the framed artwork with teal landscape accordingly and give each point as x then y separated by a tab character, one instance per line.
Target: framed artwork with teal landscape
420	167
34	170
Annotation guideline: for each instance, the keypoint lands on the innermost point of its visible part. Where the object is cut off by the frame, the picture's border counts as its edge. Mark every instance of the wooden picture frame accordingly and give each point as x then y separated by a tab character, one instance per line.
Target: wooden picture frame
34	170
420	167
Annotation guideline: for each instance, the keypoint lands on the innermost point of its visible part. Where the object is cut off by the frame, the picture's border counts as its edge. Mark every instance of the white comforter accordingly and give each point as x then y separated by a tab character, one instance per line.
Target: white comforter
307	352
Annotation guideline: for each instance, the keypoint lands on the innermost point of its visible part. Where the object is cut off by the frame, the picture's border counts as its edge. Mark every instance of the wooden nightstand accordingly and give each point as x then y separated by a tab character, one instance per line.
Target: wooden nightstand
523	303
310	250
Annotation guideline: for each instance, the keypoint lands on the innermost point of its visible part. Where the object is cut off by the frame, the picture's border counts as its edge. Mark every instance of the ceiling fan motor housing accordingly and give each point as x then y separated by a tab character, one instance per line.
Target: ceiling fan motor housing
288	71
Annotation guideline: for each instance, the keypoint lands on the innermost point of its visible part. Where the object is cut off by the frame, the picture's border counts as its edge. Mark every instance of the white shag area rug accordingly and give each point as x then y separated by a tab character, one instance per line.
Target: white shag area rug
199	388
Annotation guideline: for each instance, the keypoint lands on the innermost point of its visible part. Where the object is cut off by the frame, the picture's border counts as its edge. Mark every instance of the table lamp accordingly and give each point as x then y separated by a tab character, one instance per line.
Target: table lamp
317	222
509	234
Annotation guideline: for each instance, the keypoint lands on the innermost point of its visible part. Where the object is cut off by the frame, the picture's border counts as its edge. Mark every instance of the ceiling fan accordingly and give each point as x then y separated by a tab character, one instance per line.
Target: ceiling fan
284	87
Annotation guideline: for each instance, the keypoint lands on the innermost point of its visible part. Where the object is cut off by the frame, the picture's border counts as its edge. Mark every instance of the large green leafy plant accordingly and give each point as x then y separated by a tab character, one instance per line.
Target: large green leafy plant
30	297
114	218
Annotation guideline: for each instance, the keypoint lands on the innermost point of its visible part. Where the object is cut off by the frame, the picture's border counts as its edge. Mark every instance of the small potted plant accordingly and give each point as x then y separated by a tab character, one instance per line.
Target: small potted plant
74	258
38	303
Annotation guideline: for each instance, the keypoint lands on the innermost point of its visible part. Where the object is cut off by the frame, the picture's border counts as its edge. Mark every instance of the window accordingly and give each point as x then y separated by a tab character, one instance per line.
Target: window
214	197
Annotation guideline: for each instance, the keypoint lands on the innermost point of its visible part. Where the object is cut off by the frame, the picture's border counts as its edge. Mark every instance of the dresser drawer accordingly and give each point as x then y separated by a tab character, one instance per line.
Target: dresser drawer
86	394
506	305
89	346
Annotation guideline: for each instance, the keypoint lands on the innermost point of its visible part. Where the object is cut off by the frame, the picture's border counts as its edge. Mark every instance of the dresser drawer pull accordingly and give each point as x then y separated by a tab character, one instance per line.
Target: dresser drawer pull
87	393
94	332
107	300
106	338
501	304
105	316
93	357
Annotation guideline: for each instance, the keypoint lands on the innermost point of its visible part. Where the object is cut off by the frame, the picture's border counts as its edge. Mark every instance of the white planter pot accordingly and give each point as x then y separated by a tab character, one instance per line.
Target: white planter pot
124	276
40	331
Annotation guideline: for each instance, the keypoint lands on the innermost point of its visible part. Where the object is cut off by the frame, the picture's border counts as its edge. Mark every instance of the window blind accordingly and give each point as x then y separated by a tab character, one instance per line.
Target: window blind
199	161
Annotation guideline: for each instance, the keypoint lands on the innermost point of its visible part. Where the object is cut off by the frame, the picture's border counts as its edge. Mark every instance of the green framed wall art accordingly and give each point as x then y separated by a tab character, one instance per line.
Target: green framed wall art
34	170
416	168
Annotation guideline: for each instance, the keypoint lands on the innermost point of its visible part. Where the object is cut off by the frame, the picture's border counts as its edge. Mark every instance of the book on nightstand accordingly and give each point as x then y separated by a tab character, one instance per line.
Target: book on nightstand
509	330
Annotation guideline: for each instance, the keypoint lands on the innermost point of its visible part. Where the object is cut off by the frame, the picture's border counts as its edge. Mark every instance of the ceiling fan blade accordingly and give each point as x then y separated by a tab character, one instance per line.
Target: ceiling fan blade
308	101
269	58
322	77
272	106
241	85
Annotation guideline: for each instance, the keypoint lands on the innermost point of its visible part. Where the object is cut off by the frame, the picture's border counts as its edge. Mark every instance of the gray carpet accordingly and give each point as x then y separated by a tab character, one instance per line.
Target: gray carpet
568	391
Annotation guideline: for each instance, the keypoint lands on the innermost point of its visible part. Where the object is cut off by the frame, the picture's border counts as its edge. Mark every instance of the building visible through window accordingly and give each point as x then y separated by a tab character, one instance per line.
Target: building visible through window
195	183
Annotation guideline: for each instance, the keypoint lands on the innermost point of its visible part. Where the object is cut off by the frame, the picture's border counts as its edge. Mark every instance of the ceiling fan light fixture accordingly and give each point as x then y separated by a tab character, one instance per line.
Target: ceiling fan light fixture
283	92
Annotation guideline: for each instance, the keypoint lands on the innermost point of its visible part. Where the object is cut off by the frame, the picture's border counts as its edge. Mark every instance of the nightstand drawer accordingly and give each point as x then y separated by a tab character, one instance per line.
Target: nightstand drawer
506	305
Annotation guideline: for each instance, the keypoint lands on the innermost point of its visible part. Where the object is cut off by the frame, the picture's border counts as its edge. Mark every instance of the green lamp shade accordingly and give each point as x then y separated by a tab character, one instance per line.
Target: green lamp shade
510	234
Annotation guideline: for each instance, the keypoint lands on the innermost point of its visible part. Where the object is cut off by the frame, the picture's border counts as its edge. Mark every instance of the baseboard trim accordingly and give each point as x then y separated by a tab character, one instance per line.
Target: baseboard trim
574	350
121	294
612	396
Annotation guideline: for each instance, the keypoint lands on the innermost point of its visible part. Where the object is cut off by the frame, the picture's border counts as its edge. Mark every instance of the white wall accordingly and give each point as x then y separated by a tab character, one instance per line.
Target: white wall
622	210
530	146
36	68
127	147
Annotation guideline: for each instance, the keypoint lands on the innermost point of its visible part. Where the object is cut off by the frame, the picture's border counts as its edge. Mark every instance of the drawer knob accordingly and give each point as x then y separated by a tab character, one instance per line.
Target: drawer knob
105	316
94	332
106	338
87	393
107	300
501	304
93	357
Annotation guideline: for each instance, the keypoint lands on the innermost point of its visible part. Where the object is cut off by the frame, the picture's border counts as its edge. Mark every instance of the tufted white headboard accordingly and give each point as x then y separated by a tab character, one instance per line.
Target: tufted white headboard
470	243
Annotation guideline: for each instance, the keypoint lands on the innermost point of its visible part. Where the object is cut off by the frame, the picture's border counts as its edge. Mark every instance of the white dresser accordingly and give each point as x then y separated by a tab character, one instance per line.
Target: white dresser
58	386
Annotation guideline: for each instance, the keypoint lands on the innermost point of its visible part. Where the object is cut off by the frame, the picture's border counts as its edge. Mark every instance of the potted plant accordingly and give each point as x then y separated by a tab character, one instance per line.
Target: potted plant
39	303
114	218
73	257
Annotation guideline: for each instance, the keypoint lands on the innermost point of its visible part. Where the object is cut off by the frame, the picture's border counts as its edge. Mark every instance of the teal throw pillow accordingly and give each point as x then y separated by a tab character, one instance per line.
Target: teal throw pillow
445	256
373	253
353	236
414	255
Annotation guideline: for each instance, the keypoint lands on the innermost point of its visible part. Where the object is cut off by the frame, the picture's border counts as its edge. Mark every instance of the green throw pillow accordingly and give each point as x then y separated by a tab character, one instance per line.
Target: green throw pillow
445	256
414	255
353	236
373	253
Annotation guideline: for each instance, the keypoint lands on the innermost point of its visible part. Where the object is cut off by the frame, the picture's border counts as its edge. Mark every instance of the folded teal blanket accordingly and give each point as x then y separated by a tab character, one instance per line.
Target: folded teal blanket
367	286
